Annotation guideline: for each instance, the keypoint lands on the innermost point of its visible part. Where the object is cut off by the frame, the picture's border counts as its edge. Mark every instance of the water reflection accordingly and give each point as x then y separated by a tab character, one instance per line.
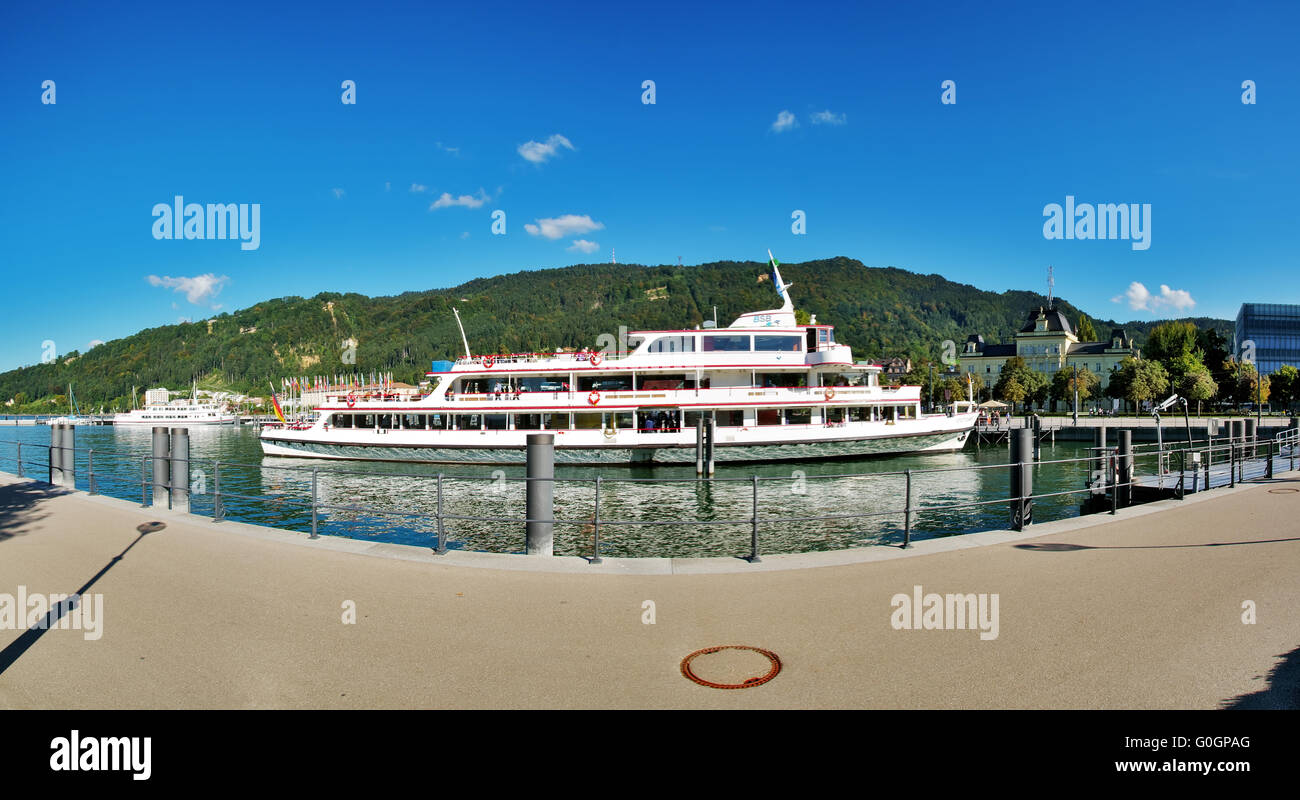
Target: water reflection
802	507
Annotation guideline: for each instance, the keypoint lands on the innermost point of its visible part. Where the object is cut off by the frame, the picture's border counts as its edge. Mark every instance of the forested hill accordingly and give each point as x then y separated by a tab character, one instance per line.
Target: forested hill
880	312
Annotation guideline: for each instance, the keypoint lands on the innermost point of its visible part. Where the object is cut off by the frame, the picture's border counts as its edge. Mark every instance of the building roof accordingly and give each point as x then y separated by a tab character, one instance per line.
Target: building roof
1056	321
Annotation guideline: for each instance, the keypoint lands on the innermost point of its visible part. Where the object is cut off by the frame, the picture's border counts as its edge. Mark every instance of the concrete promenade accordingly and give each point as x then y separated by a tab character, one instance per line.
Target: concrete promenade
1142	610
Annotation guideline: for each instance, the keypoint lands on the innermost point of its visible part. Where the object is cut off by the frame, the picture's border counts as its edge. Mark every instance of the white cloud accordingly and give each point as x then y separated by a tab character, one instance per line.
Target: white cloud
466	200
539	152
95	343
455	151
1139	298
784	122
198	290
828	118
418	187
338	193
567	225
583	246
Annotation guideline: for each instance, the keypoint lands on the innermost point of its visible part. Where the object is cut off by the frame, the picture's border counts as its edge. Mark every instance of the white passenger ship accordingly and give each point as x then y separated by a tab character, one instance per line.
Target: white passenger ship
178	412
776	390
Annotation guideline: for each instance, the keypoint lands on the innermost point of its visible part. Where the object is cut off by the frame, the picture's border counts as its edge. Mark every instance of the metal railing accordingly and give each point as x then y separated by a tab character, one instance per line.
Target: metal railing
1110	472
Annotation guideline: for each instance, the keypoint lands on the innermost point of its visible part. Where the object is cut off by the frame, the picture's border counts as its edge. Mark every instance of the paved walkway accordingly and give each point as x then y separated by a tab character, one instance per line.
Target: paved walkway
1143	610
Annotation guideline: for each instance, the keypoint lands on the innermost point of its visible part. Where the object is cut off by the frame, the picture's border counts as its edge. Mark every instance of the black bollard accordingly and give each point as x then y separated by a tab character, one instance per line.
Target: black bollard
540	495
1022	478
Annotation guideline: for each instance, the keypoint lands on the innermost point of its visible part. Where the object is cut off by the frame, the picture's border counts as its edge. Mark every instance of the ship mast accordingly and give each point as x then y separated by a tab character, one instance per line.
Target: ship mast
463	340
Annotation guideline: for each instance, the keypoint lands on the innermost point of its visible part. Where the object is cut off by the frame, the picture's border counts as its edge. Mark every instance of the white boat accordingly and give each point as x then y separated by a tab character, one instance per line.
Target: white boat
776	390
178	412
74	416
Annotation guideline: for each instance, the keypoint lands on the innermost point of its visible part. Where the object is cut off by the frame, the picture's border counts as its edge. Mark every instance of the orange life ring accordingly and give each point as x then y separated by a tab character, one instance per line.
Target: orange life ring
830	393
488	361
352	400
593	398
595	359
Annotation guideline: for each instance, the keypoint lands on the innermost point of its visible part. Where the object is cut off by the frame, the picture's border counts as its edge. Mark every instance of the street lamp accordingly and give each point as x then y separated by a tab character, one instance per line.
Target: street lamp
1076	395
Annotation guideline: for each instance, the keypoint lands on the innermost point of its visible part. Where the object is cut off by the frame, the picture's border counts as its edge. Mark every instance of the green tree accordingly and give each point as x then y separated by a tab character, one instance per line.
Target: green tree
1169	342
1086	332
1197	384
1284	385
1063	385
1138	380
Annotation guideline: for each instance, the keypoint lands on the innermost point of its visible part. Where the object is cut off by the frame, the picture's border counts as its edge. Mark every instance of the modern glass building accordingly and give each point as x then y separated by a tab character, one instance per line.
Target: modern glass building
1275	330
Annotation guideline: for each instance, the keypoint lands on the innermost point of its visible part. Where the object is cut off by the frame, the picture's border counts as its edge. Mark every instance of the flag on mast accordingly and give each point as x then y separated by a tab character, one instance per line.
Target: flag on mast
275	405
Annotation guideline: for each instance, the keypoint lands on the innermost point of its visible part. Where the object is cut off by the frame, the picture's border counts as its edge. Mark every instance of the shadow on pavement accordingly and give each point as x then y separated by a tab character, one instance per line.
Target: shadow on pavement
1282	692
19	505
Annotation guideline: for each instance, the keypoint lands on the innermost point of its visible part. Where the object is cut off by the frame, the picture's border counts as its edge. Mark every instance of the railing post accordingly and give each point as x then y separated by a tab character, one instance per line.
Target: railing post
314	535
90	469
56	457
595	529
1114	484
442	533
144	482
1232	458
20	459
907	509
753	530
218	513
539	513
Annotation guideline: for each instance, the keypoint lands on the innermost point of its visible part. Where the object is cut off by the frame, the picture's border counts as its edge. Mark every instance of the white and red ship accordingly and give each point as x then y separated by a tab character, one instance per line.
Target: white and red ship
776	390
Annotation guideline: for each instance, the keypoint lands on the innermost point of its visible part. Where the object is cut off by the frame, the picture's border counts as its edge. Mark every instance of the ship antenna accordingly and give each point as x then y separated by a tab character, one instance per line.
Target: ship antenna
1050	283
463	340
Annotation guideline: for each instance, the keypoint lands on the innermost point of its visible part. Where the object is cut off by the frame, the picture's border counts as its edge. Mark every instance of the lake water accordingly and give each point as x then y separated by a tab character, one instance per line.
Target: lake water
277	492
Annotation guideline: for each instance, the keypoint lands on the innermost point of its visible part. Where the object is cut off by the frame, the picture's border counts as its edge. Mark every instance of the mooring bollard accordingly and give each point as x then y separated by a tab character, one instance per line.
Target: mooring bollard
907	509
180	469
540	494
699	446
161	453
314	515
595	528
710	442
217	512
68	461
442	533
1124	480
1022	478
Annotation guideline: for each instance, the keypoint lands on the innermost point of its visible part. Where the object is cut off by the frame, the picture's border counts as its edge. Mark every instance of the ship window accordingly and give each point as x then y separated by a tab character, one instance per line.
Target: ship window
834	415
555	422
587	421
471	386
798	416
621	419
725	343
661	382
469	422
542	384
693	418
776	344
415	421
439	422
672	344
605	383
731	418
387	421
342	421
365	420
769	416
786	380
496	422
528	422
860	414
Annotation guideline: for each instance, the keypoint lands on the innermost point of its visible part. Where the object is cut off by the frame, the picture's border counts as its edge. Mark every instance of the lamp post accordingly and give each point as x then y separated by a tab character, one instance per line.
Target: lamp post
1076	395
931	388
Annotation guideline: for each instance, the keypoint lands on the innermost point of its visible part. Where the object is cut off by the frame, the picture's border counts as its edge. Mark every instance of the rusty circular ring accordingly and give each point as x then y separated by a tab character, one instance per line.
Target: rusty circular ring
748	684
1283	490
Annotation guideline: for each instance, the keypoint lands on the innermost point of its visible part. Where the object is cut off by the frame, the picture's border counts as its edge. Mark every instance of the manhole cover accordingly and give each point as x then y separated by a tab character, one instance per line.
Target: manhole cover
1283	491
731	666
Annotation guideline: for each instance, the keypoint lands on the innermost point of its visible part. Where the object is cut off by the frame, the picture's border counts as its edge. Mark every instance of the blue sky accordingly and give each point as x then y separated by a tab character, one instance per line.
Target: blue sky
241	103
